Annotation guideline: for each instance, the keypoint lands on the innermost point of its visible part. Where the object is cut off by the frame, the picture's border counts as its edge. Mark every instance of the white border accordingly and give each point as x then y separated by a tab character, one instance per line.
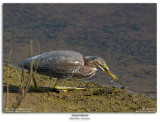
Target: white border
109	117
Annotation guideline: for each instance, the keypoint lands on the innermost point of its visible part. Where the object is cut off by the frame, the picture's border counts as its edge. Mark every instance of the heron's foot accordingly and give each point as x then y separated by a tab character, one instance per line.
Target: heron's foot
67	88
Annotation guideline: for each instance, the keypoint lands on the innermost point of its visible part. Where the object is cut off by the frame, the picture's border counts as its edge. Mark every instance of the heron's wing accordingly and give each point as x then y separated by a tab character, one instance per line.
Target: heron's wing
60	64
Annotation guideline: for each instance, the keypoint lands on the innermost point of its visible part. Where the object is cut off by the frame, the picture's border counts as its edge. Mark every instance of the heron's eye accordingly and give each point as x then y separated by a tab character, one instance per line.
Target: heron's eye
105	67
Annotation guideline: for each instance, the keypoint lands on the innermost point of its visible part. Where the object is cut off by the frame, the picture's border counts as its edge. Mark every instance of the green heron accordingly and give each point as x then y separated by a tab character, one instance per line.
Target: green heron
63	64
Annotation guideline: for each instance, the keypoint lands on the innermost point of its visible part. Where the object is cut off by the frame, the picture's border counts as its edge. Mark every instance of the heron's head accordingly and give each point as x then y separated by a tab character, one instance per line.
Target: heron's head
99	63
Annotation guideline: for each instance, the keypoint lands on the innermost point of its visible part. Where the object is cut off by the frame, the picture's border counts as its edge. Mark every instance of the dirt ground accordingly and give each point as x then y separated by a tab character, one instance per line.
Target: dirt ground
94	98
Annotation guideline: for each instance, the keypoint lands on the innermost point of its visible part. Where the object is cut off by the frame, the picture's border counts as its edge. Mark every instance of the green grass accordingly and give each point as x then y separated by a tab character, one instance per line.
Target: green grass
94	99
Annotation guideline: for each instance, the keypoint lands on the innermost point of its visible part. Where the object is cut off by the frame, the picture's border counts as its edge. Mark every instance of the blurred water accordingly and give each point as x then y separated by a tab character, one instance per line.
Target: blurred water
119	33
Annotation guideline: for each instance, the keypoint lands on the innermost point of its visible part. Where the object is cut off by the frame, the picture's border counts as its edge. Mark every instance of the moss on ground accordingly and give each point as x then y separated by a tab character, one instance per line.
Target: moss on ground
95	98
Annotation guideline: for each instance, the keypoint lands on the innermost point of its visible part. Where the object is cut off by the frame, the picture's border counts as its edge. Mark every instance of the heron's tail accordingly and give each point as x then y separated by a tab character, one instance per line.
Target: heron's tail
20	64
25	64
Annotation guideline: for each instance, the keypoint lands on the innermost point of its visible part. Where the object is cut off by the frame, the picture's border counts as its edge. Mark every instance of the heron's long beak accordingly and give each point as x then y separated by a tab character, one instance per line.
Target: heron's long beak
107	70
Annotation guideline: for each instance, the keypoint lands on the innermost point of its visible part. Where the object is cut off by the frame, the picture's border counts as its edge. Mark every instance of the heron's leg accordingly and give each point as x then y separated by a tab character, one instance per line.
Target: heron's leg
67	88
36	86
64	87
34	81
55	84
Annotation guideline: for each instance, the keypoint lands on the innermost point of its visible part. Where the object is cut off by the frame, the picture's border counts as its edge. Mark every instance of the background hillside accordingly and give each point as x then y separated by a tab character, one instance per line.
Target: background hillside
124	35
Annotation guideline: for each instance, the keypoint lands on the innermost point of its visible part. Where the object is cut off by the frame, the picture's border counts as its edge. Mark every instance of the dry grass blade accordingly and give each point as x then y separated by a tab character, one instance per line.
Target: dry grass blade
9	58
36	65
24	88
38	54
22	81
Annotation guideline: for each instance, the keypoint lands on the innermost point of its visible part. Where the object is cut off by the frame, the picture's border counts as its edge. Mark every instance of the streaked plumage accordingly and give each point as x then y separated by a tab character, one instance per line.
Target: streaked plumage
63	64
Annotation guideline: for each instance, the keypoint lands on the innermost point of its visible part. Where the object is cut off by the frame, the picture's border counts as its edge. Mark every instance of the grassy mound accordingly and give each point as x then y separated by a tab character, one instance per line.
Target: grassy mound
95	98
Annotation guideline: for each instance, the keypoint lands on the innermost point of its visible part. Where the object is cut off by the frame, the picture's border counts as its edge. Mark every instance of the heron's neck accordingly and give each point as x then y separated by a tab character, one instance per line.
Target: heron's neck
85	72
